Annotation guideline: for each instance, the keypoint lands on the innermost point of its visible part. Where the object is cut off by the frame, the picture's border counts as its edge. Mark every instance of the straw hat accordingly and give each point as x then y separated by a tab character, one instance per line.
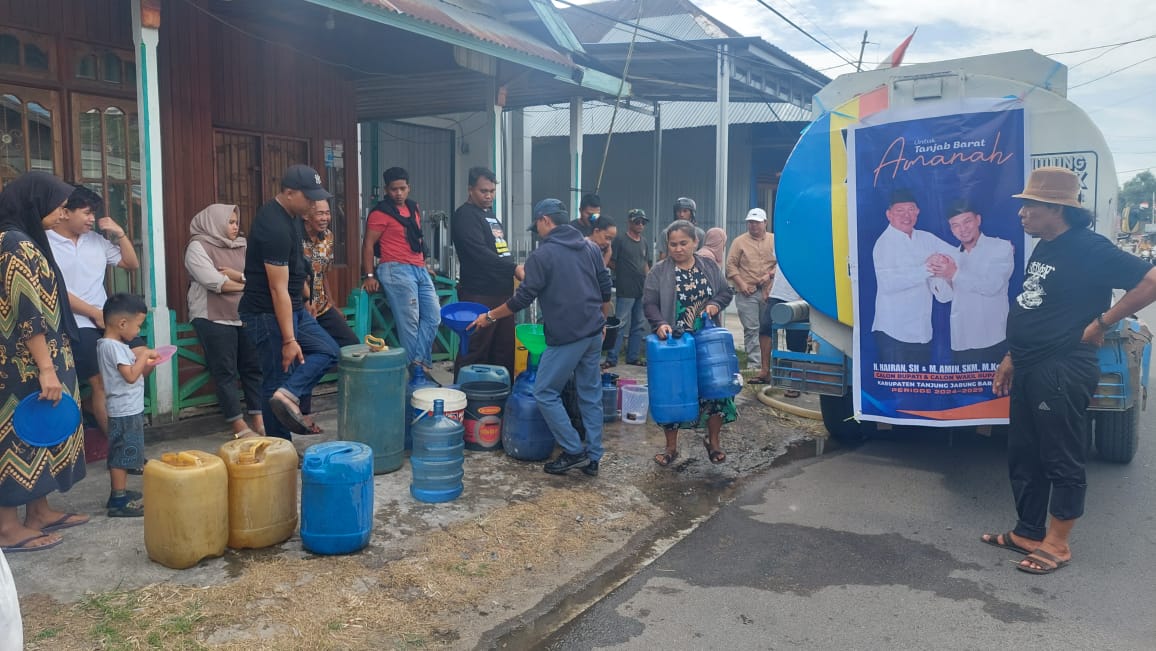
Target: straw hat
1056	185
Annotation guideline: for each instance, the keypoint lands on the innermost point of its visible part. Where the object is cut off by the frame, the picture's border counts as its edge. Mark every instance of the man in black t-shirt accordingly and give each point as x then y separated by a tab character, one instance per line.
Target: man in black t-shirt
295	352
486	270
1054	329
630	261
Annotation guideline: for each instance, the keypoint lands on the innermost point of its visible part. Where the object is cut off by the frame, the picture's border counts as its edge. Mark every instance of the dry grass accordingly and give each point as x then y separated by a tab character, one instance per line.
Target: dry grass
343	602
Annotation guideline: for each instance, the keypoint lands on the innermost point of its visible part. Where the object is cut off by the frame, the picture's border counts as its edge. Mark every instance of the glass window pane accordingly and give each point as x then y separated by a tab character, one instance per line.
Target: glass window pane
91	145
130	73
86	67
116	144
134	146
9	50
34	57
113	73
116	202
40	138
12	162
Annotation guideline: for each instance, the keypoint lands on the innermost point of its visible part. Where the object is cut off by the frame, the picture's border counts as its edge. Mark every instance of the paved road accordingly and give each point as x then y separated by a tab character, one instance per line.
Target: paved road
878	547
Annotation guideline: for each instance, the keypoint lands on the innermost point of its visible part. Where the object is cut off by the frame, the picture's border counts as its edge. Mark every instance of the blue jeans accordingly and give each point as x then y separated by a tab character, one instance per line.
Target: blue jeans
319	349
557	364
413	300
633	330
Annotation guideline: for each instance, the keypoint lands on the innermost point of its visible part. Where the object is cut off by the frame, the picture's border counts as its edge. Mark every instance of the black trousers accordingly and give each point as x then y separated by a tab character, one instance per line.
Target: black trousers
492	345
1048	438
230	356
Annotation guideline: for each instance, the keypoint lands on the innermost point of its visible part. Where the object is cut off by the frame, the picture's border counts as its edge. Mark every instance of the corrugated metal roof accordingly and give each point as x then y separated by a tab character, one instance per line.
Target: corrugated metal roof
685	27
473	19
544	121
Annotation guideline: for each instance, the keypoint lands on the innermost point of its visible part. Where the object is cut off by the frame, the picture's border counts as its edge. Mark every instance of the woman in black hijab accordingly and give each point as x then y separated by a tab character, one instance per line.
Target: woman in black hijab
34	336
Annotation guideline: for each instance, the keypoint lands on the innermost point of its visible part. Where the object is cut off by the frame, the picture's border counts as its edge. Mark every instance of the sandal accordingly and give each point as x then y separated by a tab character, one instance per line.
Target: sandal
1047	562
758	379
665	458
1008	543
640	362
606	365
716	455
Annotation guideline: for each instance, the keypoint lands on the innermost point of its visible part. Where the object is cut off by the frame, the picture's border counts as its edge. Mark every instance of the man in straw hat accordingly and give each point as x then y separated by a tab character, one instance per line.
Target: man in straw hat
1053	330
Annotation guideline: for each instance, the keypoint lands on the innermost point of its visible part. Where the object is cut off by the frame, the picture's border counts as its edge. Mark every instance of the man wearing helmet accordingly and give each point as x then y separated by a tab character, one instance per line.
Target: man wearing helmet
685	208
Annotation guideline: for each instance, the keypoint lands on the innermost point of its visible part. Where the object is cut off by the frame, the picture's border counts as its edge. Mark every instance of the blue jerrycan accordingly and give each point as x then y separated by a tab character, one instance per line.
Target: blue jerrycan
718	366
336	497
670	374
525	434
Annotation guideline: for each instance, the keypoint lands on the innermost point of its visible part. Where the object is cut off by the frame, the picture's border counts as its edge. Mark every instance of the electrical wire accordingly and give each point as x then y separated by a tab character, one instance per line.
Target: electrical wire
621	86
1109	74
802	31
1097	47
818	27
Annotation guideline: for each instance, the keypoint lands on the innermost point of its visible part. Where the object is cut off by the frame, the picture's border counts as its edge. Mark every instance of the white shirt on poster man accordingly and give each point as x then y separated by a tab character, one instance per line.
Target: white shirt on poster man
905	286
83	264
979	302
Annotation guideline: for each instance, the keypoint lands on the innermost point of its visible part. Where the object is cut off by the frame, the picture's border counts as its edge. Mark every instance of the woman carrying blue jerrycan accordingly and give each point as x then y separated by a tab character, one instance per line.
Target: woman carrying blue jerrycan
678	291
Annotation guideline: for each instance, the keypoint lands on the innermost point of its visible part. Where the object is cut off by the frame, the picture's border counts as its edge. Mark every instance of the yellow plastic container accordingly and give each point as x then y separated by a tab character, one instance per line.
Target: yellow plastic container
521	358
186	508
262	491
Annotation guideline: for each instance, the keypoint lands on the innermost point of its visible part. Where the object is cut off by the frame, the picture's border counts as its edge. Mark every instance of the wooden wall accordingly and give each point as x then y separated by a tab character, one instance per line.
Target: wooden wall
103	22
214	77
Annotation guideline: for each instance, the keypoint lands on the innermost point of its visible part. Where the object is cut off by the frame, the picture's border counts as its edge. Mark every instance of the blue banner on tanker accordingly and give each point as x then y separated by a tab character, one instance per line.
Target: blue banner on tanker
937	251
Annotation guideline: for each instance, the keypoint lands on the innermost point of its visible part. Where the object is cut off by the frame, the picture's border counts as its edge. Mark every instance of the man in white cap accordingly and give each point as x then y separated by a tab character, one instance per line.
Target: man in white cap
750	267
1051	368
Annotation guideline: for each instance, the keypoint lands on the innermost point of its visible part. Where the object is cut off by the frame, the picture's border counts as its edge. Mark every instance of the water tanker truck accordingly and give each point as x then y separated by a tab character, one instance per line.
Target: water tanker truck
944	146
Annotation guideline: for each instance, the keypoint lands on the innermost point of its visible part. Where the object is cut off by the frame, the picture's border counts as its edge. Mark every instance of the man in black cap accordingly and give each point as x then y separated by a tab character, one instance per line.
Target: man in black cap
295	351
630	261
565	274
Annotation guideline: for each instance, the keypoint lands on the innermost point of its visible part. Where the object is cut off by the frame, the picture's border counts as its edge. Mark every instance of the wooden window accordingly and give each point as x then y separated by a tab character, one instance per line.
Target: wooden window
30	136
249	168
110	68
26	54
107	159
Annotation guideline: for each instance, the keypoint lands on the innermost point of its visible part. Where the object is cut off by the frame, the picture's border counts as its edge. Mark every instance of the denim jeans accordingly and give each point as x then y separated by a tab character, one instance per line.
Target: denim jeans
319	349
633	330
413	300
557	364
230	356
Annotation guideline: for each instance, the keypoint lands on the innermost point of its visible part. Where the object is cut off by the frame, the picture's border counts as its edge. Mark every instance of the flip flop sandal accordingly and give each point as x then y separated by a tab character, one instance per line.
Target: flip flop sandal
1040	557
245	434
715	455
758	380
65	522
1008	544
664	459
288	413
22	546
791	393
638	363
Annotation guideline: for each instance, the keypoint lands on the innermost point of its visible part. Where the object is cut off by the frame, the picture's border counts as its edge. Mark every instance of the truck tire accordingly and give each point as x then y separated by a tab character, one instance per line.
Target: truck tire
1118	434
837	412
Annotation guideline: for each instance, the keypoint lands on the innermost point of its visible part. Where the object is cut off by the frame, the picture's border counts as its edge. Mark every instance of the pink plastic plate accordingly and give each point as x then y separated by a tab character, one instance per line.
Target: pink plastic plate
164	354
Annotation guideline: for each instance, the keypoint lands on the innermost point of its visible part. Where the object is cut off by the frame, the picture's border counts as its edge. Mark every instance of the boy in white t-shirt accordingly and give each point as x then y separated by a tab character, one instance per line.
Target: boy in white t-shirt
123	372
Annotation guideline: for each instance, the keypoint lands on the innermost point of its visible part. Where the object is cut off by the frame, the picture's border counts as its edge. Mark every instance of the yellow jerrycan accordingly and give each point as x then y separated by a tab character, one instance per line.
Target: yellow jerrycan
262	491
186	514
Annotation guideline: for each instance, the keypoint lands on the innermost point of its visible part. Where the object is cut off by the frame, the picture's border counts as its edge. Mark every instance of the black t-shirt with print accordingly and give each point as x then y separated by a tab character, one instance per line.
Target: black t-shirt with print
276	239
1067	284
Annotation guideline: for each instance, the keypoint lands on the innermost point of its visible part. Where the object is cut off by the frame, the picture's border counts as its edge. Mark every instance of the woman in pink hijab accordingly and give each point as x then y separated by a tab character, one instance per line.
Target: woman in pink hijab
715	246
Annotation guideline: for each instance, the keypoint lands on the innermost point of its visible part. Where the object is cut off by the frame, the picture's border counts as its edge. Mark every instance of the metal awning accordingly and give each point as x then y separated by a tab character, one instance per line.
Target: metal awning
469	25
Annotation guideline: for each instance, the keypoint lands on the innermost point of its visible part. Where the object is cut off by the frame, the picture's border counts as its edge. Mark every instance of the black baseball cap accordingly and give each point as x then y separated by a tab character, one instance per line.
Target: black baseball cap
552	208
307	180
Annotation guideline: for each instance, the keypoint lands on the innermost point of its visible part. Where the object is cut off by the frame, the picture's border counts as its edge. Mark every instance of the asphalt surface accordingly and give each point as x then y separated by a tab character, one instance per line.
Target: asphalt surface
878	547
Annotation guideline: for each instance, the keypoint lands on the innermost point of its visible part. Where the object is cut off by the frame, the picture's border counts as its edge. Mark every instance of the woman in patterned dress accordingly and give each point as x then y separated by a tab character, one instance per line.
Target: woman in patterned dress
34	356
678	290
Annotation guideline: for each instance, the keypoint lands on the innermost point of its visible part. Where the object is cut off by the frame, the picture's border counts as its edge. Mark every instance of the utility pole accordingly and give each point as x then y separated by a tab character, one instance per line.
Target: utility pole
862	46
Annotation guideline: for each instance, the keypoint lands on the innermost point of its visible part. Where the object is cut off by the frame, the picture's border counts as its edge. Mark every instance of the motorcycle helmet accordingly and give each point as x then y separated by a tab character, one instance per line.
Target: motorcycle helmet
685	203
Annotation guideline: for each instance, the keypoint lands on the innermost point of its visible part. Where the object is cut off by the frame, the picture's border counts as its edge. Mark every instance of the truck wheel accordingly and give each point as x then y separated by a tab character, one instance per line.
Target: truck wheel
1118	434
837	412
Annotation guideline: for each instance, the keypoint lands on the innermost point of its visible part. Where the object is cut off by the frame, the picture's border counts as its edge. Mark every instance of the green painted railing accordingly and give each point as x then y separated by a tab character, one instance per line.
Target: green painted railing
364	313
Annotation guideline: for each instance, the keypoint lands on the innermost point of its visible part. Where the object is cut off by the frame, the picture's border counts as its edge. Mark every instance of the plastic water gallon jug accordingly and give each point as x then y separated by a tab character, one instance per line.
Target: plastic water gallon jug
437	457
525	435
371	403
609	397
186	513
262	491
670	373
483	373
418	380
718	366
336	497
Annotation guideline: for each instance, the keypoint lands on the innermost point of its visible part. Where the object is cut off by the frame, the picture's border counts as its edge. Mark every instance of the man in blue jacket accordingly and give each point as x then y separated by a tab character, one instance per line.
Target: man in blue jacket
572	285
